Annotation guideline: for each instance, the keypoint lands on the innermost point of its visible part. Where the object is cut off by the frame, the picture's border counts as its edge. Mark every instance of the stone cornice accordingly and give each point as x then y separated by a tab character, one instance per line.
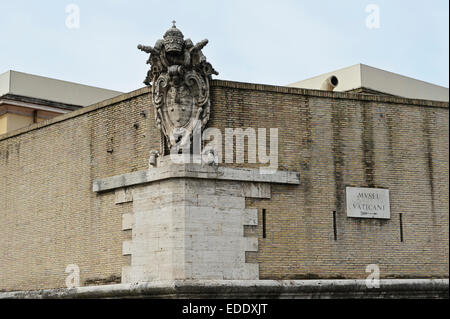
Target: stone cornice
172	170
328	94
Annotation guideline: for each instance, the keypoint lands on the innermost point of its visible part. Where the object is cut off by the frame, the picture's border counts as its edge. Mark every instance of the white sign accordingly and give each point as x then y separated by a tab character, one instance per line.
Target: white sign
368	203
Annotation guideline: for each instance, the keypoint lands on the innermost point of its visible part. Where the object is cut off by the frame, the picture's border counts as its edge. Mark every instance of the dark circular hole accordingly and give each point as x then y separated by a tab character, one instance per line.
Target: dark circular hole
334	80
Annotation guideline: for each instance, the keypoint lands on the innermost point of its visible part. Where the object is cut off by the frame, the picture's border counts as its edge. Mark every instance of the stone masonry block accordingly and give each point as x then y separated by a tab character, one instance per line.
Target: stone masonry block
127	221
127	247
123	195
250	244
126	275
257	190
250	217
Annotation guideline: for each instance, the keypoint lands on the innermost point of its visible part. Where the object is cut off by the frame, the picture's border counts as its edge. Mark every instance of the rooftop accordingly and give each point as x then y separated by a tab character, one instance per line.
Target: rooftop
361	78
17	85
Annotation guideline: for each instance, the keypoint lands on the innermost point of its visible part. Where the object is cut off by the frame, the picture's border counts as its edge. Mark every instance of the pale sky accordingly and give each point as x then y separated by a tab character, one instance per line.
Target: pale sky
270	42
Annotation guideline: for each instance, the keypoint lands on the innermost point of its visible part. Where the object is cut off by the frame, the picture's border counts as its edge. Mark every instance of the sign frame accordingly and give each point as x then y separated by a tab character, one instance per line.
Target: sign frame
367	203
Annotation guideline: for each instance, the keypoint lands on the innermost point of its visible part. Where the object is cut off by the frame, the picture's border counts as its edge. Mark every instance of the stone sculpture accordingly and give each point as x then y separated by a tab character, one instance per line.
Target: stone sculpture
180	78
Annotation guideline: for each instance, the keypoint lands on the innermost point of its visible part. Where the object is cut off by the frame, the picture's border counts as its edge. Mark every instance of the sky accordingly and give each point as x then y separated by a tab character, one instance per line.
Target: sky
268	42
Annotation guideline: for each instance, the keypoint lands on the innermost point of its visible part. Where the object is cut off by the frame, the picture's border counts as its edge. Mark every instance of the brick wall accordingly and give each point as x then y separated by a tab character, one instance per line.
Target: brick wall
50	218
336	140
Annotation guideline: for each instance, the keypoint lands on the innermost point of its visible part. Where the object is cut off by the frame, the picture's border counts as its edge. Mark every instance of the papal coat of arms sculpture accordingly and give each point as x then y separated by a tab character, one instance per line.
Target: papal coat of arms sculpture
180	78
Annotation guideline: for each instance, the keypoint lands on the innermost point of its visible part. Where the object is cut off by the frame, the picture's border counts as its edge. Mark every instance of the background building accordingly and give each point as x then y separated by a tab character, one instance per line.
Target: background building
361	78
27	99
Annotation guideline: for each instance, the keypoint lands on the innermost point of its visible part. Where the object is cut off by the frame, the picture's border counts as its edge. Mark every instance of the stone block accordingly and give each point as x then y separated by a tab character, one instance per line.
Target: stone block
229	188
123	195
127	247
256	190
225	202
127	221
250	217
126	275
251	271
250	244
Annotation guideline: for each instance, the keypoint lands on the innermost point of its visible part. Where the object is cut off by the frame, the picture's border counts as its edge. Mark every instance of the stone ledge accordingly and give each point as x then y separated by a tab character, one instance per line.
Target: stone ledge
194	171
328	94
244	289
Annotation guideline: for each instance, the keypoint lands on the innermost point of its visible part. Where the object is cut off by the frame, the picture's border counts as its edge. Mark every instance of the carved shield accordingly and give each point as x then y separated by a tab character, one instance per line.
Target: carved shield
180	105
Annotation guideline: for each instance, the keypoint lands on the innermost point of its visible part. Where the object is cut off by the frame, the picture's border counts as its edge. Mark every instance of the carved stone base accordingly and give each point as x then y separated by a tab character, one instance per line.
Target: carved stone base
188	220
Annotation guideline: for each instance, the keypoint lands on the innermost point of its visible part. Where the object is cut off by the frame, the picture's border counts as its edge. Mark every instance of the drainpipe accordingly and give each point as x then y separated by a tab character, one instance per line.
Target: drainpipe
330	83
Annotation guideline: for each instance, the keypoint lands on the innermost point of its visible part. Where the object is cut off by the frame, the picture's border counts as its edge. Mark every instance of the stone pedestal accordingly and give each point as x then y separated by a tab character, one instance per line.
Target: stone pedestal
188	220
